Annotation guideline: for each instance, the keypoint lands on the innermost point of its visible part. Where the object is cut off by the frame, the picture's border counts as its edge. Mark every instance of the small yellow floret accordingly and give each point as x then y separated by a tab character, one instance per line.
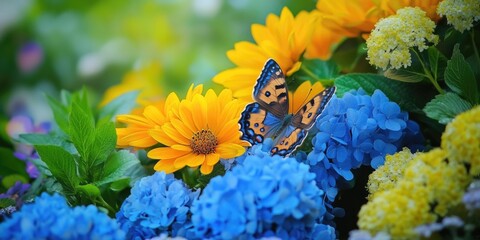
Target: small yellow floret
460	13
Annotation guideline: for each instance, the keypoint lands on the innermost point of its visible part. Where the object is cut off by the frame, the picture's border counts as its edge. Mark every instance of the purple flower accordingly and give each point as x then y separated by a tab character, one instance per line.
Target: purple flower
16	193
21	124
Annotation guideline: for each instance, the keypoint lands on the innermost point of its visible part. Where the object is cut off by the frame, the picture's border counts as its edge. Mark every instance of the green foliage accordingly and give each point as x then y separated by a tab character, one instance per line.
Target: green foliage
444	107
120	105
82	158
11	169
396	91
316	70
460	78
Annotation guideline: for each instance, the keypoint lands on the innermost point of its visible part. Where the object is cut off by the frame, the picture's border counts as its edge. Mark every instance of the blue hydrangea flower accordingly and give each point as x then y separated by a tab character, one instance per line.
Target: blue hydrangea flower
50	217
263	196
157	204
359	129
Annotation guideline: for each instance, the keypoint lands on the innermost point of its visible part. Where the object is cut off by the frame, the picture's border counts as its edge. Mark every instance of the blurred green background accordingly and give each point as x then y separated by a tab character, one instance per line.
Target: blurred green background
50	45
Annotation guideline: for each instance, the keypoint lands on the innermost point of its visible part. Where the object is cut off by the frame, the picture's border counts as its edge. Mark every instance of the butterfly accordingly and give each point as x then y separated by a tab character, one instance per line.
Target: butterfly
269	117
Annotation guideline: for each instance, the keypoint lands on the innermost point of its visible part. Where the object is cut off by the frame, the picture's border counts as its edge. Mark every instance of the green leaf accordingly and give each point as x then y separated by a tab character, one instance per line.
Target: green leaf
396	91
120	105
6	202
11	179
444	107
9	164
61	164
437	62
350	53
119	185
60	114
47	139
404	75
460	78
317	70
89	190
118	166
104	143
203	180
82	129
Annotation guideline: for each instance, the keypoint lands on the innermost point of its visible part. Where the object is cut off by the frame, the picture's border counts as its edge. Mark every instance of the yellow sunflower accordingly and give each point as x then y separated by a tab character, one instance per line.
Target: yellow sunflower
283	38
304	93
138	123
200	132
323	41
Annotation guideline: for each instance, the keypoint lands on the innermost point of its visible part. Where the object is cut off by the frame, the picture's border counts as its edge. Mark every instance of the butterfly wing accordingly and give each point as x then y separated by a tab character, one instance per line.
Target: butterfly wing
264	117
306	116
271	91
302	121
289	140
256	123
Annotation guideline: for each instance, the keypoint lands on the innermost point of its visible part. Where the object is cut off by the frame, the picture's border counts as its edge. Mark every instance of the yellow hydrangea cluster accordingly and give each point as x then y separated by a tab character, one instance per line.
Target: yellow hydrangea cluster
396	211
400	206
461	139
445	181
460	13
390	42
386	176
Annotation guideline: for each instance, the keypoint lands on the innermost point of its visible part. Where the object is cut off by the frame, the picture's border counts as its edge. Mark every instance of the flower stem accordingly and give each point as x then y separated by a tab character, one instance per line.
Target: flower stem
477	56
104	204
427	72
315	77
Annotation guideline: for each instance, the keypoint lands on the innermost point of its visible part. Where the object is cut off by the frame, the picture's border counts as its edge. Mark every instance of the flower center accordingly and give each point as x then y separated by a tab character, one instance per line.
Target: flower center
203	142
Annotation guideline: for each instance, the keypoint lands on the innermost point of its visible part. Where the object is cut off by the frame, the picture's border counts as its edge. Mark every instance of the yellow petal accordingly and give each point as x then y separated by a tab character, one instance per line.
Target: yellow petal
196	160
199	112
230	132
206	169
181	147
137	120
166	153
213	110
165	165
185	112
229	150
183	160
161	137
212	159
154	115
181	128
174	134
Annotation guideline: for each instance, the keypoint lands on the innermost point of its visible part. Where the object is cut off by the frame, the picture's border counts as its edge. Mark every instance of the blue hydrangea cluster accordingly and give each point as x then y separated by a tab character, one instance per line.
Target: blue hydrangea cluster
359	129
50	217
263	196
158	204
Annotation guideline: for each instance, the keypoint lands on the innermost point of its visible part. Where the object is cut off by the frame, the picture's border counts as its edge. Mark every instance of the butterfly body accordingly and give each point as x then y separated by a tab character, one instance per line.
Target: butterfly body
269	117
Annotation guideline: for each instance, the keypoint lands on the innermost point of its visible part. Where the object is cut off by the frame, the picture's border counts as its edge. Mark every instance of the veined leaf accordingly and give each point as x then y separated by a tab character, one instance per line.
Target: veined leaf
104	143
118	166
444	107
460	78
60	114
396	91
82	130
61	164
47	139
404	75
